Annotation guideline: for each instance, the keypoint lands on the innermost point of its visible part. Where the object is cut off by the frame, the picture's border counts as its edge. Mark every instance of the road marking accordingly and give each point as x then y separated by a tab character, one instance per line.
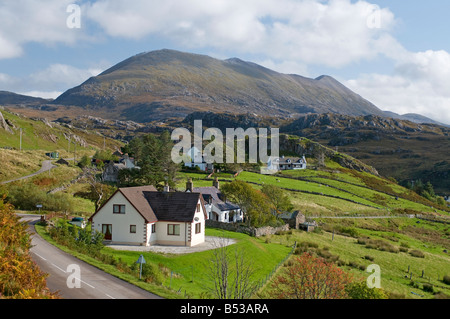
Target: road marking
110	296
40	256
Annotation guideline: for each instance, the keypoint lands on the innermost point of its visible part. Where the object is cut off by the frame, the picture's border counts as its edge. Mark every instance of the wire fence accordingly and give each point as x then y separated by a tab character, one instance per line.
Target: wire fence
264	280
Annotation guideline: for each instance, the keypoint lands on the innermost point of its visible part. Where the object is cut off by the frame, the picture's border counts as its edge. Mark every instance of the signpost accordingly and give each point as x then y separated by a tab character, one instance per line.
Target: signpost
140	261
39	206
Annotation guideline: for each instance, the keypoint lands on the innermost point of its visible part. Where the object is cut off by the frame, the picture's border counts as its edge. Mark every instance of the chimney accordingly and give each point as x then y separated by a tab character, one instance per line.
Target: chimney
166	188
189	185
216	183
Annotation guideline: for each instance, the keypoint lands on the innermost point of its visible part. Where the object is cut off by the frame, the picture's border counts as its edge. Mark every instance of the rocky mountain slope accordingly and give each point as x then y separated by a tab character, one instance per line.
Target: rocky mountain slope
163	84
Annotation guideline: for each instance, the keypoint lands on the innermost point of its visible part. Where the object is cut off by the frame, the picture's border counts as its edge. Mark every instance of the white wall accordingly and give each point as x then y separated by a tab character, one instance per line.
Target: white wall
121	222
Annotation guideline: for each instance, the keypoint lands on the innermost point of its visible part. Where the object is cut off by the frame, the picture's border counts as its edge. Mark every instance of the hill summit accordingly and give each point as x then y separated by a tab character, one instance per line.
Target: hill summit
170	84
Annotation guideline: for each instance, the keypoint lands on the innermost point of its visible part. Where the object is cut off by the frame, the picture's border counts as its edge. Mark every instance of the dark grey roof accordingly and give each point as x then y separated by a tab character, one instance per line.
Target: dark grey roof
173	206
215	194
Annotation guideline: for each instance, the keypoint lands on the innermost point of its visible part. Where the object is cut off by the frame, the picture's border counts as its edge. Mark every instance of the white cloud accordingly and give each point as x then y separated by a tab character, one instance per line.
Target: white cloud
48	83
419	84
24	21
333	34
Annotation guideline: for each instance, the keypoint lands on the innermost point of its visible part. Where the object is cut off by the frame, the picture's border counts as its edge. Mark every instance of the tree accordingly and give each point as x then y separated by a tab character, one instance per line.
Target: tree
99	192
278	198
231	274
310	277
20	277
254	204
156	165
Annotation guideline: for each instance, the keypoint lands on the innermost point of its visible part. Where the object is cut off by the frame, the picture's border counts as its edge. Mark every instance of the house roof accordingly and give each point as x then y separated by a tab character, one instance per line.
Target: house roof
160	206
135	196
174	206
214	193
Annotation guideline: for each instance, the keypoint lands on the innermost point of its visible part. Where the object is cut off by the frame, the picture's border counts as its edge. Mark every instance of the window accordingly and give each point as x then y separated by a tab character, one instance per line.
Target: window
173	229
198	228
153	228
198	207
119	209
133	229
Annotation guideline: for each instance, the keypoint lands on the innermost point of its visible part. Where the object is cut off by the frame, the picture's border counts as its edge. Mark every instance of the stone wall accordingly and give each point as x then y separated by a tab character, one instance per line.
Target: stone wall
252	231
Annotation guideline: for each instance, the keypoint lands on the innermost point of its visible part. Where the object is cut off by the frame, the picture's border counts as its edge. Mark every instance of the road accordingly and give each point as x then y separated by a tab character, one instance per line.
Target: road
46	166
94	283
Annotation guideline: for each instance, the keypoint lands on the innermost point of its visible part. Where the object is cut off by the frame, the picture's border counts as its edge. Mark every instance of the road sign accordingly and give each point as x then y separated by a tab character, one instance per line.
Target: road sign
140	261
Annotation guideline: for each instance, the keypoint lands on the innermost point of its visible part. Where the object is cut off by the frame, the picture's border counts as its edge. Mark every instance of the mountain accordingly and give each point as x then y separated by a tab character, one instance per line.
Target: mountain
10	98
413	117
170	84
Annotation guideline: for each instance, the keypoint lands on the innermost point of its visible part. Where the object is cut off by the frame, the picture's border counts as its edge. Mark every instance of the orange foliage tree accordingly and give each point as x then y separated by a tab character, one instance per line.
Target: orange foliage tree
20	277
310	277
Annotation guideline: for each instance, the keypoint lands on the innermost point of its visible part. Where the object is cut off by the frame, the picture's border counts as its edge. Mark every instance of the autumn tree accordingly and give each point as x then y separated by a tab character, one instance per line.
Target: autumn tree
20	277
310	277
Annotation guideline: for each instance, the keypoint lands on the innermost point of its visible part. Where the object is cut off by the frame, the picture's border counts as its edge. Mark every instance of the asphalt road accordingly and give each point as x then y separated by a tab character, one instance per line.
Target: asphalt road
46	166
62	268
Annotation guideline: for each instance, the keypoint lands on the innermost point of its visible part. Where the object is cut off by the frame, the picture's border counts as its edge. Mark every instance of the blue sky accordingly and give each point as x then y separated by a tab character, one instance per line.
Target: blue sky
393	53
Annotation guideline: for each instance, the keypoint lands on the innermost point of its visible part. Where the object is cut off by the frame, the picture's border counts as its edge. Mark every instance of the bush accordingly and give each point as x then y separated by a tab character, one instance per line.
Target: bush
417	253
359	290
446	279
428	288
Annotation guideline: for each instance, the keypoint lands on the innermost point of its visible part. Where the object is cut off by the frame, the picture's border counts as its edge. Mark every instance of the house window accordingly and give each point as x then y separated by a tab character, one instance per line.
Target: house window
173	229
119	209
198	207
198	228
133	229
153	228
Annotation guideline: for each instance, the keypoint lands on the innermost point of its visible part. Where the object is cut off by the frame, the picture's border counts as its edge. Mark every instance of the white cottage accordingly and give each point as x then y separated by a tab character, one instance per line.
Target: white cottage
286	163
217	207
144	216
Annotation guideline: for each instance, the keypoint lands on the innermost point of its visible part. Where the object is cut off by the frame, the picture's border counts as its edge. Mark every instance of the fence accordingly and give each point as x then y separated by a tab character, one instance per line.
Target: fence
263	281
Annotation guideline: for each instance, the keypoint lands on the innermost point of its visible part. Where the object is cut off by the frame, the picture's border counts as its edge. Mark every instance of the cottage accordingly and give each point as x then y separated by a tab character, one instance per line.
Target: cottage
111	170
144	216
286	163
197	160
297	220
217	207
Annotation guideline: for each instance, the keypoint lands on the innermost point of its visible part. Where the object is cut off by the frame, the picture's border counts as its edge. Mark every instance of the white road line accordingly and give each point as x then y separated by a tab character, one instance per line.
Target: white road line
40	256
110	296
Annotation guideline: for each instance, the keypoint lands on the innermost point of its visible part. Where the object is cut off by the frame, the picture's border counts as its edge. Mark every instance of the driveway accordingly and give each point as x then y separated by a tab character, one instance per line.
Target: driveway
210	243
94	283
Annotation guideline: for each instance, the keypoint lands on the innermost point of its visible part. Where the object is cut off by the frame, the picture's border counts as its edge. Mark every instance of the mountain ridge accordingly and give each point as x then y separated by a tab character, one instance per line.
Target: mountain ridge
166	82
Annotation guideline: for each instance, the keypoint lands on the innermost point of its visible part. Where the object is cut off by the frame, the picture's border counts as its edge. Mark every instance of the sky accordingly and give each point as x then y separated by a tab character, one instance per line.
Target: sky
396	53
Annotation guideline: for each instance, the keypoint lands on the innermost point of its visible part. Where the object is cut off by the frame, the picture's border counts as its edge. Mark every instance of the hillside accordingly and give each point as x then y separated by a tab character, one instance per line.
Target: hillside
395	148
165	84
42	134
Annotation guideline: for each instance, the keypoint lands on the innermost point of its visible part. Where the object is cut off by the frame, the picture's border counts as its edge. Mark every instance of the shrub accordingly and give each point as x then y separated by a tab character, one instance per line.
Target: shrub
368	257
428	288
359	290
417	253
446	279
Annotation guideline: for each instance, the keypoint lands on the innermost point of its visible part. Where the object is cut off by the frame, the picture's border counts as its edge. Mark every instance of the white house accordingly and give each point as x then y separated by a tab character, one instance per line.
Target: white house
144	216
197	160
286	163
217	207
